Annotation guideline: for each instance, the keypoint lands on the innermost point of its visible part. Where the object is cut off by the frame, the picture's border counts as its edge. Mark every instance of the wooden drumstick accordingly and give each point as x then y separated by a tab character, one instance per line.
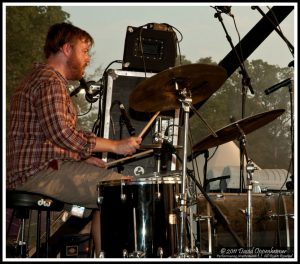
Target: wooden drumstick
149	124
109	164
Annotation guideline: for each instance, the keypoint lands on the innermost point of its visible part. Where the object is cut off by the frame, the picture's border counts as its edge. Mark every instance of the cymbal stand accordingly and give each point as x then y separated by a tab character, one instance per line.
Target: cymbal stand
250	169
184	96
185	99
249	212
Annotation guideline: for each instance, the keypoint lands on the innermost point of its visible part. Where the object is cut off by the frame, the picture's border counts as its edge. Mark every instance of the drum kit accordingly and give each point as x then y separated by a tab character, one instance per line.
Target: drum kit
147	217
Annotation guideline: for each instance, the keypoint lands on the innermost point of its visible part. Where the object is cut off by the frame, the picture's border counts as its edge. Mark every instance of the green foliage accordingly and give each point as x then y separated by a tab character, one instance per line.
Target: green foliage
26	28
270	145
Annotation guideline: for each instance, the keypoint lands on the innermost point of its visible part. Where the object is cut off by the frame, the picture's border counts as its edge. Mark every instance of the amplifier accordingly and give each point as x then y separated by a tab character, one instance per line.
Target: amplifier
119	85
151	49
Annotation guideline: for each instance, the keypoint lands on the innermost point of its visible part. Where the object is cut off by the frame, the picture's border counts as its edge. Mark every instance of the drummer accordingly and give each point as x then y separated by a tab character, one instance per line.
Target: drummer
46	153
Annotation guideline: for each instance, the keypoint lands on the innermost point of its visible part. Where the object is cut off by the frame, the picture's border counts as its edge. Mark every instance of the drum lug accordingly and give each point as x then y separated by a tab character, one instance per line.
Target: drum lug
123	197
160	252
125	253
157	196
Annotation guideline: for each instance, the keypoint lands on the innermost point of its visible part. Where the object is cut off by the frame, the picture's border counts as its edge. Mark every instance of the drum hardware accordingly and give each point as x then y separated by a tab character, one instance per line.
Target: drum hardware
99	197
218	213
250	170
162	152
160	252
136	253
275	216
239	129
249	212
170	96
157	193
185	99
123	196
273	225
125	253
256	187
208	219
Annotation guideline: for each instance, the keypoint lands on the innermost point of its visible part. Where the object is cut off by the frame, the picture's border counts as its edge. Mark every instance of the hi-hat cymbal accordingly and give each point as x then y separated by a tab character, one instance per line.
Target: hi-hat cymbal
158	93
232	131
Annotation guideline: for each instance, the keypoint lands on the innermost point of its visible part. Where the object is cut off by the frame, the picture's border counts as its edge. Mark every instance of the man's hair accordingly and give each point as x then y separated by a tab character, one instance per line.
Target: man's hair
61	33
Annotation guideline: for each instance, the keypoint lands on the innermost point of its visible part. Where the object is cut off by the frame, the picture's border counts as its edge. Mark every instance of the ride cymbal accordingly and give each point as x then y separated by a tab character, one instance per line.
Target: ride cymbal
159	93
232	131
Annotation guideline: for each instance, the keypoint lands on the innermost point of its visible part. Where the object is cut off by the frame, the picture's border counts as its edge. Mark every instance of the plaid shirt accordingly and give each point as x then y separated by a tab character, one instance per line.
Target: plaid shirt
43	126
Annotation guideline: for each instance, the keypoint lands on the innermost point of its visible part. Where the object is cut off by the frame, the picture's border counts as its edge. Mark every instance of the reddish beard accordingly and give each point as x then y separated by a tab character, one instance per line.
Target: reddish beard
75	67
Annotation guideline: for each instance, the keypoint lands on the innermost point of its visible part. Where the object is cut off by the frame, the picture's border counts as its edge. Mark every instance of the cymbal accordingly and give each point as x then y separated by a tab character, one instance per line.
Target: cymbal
158	93
231	132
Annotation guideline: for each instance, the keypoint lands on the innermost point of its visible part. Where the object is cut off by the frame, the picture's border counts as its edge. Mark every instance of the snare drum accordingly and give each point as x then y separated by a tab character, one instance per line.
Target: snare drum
138	217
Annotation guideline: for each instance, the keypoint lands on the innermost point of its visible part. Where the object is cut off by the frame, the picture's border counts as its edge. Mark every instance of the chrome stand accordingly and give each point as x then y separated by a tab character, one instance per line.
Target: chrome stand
249	212
183	195
250	169
184	96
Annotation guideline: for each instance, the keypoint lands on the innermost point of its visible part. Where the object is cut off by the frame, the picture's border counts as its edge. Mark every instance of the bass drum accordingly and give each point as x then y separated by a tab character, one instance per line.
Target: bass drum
138	217
272	222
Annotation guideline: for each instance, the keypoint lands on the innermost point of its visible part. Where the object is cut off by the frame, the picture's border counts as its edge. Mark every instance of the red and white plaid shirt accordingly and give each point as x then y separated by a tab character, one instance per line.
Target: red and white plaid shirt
42	126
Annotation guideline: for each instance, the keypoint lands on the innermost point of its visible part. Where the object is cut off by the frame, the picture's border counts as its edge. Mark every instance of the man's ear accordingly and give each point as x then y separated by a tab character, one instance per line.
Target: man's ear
66	49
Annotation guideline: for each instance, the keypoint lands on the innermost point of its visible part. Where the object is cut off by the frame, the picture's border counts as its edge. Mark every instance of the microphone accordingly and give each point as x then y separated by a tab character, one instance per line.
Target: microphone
167	149
82	85
130	128
277	86
225	10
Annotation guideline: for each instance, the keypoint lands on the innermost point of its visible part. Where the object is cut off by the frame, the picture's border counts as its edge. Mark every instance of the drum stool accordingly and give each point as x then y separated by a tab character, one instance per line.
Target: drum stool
22	202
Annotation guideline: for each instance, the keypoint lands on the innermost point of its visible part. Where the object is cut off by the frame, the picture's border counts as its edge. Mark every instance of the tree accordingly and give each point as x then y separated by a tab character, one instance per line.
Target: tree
270	145
26	28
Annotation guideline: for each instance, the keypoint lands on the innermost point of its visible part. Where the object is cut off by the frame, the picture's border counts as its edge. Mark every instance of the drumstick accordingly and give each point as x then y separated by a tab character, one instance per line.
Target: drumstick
109	164
149	124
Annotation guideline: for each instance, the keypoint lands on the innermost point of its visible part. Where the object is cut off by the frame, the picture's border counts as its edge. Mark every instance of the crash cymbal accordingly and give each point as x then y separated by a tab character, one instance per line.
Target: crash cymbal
158	93
231	132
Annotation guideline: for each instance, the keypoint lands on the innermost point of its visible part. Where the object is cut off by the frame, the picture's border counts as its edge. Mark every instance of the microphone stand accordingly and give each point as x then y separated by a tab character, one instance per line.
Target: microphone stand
291	47
245	83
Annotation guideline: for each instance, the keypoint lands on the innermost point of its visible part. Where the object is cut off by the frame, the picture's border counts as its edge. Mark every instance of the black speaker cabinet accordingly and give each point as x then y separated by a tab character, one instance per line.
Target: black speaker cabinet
149	50
119	86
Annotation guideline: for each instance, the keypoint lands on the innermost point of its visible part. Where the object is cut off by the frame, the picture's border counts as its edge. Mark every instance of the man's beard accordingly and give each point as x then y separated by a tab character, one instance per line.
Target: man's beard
75	68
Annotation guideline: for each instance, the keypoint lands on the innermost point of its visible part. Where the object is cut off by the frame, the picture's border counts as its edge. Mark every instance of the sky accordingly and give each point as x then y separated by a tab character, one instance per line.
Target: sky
203	34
